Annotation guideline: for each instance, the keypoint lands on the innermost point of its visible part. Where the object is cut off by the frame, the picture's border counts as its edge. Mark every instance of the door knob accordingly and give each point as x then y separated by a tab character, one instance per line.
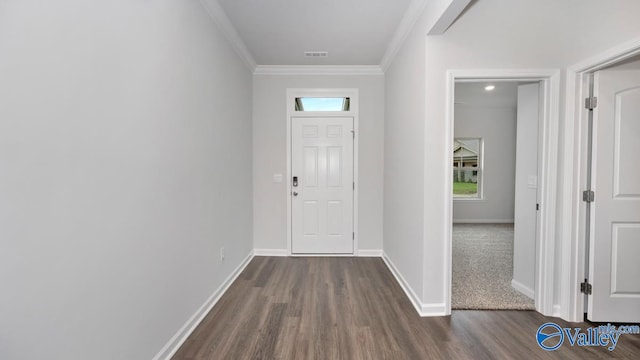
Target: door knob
295	193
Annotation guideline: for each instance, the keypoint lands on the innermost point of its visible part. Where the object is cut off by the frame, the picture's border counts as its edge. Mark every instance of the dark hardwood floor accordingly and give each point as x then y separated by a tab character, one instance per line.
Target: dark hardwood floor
353	308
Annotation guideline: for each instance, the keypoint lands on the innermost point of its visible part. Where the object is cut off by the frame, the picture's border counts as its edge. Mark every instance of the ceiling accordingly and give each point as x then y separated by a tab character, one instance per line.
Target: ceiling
505	94
278	32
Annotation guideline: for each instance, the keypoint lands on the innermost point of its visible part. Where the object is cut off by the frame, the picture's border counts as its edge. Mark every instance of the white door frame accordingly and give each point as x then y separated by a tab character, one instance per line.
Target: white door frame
294	93
572	250
545	248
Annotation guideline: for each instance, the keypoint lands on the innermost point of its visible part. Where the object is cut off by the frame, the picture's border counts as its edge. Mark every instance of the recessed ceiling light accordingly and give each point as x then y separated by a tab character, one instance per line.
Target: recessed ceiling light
489	87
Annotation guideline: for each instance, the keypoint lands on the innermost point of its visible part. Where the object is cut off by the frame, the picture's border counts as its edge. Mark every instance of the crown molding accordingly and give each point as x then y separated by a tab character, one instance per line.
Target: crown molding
318	70
411	16
221	19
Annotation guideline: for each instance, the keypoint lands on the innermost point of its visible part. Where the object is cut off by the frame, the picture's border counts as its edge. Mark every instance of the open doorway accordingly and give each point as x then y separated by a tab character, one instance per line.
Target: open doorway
496	152
545	252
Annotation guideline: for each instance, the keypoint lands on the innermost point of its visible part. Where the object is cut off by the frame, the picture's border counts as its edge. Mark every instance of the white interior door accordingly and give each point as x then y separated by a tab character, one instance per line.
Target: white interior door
526	189
614	270
322	185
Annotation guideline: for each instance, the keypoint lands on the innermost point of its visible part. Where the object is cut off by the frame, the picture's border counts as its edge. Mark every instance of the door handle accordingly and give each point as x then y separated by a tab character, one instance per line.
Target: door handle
295	193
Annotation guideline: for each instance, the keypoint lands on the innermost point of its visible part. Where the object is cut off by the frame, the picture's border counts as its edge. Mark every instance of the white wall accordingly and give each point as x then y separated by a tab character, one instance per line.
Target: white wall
270	154
125	164
490	34
572	31
497	127
403	161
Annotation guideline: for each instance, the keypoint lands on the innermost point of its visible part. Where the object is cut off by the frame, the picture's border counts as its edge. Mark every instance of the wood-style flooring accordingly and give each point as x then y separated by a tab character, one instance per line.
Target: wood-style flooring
353	308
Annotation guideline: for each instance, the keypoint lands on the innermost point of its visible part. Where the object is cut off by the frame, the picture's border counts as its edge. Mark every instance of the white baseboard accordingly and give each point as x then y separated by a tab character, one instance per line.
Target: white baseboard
483	221
321	255
270	252
370	253
556	311
423	309
436	309
285	252
528	292
179	338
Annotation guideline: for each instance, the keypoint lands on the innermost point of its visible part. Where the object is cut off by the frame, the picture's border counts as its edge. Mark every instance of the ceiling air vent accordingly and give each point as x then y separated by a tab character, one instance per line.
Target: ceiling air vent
316	54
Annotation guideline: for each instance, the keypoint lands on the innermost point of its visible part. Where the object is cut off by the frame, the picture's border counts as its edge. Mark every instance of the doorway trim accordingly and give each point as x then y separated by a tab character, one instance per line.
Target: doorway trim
545	248
573	248
292	94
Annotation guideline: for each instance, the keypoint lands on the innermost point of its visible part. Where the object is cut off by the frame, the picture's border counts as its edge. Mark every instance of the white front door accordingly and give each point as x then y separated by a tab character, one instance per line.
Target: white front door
614	270
322	185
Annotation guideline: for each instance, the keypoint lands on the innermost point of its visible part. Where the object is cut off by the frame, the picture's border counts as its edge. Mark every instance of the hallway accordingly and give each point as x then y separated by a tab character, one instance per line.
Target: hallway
353	308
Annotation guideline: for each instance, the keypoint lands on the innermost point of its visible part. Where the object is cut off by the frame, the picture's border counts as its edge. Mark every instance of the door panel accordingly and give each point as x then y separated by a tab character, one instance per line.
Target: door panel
526	189
322	203
615	235
334	218
310	219
310	167
625	278
334	168
627	144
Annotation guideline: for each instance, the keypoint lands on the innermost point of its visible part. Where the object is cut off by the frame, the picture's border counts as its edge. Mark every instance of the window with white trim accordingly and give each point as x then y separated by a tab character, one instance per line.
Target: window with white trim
467	168
323	104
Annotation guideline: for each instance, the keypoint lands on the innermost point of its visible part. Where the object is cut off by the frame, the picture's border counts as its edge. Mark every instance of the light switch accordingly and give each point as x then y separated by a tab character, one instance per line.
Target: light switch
277	178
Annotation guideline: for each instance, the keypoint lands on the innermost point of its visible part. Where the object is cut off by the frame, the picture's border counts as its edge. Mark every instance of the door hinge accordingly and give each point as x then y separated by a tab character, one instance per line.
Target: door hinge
353	132
585	287
354	185
537	207
591	103
588	196
353	236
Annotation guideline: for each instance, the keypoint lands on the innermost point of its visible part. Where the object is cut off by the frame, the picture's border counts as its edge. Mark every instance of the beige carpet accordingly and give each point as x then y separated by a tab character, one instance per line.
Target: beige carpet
483	268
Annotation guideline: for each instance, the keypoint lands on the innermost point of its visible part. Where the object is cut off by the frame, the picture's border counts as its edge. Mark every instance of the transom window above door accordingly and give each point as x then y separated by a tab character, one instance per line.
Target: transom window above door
467	168
323	104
